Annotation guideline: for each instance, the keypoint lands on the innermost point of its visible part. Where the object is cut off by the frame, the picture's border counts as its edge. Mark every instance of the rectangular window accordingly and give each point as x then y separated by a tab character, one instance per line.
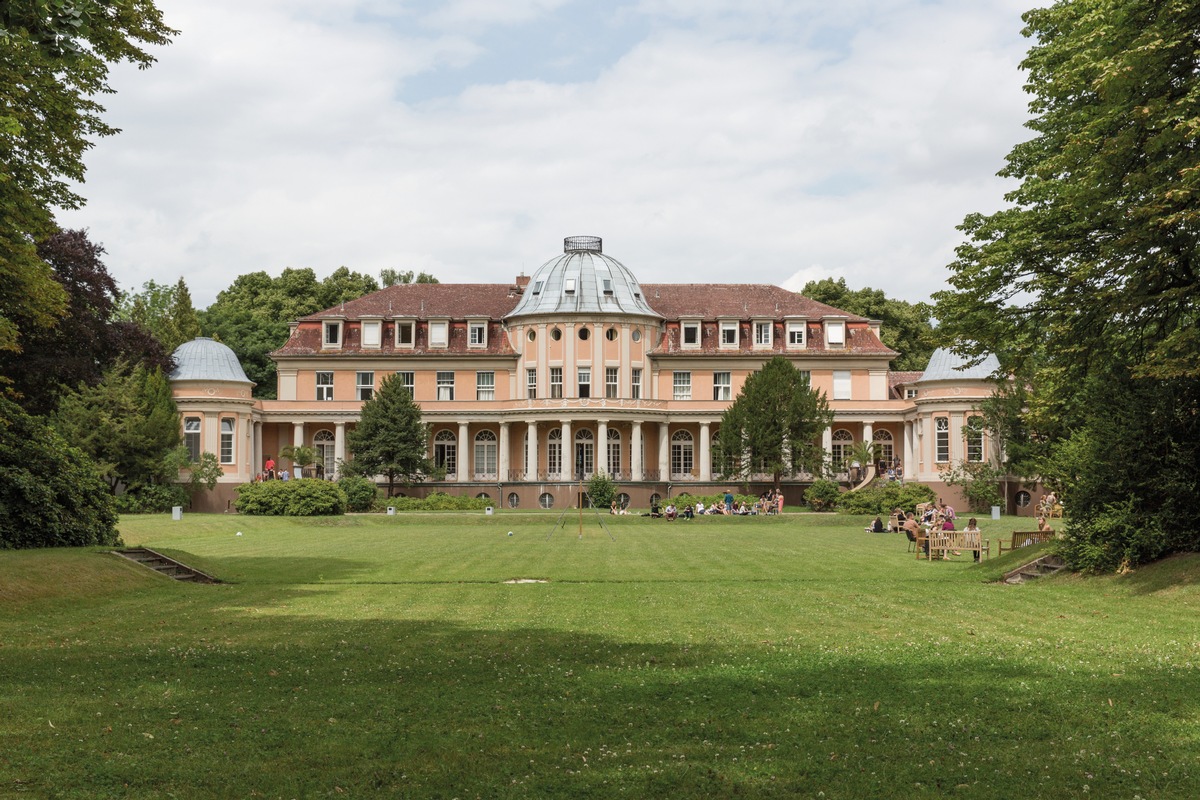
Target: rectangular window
762	334
445	386
729	334
835	333
611	385
910	394
333	334
227	426
974	436
841	384
683	386
365	385
485	386
371	337
439	334
806	375
477	333
191	437
531	383
405	333
556	382
407	380
635	383
691	334
324	385
942	444
795	332
585	381
722	386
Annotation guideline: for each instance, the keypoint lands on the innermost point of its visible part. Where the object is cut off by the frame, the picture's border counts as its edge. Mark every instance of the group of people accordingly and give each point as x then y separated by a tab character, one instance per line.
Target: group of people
269	472
938	516
768	502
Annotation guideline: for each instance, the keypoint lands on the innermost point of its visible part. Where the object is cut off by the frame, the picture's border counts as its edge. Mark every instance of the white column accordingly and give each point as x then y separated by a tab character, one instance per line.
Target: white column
532	444
568	453
212	433
868	433
956	437
602	445
626	370
705	453
258	451
298	441
543	372
339	448
635	453
664	452
598	384
827	442
502	458
907	466
570	378
464	452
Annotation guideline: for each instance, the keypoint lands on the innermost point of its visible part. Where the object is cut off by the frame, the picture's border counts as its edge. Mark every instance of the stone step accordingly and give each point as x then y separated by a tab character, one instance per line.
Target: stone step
164	565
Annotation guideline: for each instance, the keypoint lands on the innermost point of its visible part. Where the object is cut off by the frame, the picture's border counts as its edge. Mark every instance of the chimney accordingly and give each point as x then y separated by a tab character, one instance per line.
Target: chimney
522	281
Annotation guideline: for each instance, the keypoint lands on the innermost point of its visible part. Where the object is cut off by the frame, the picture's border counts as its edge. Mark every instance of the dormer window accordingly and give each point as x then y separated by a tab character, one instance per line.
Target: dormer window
569	287
439	333
690	334
372	334
795	333
332	337
835	333
406	333
729	333
608	286
537	287
762	333
477	333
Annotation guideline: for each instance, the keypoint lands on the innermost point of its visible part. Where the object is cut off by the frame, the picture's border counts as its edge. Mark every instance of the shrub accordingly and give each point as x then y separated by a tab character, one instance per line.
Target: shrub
601	490
152	498
882	496
823	495
440	501
361	494
51	494
303	497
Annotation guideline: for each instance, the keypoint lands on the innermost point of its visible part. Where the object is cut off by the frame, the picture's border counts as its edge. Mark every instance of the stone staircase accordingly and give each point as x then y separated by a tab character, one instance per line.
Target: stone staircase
164	565
1046	565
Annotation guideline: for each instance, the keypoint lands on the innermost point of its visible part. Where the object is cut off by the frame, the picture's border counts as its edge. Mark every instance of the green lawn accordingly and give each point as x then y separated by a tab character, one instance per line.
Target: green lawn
776	657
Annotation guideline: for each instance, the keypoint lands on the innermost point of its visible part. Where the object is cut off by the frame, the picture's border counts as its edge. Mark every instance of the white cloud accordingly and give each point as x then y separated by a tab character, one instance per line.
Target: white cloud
275	134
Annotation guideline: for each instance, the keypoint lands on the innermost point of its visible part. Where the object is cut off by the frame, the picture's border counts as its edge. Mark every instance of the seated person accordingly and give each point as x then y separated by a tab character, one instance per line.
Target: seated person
613	508
687	512
973	527
700	507
1043	525
655	511
742	510
670	512
876	526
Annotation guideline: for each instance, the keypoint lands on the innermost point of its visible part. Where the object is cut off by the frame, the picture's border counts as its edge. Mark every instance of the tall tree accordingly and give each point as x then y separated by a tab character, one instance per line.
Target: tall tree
390	438
342	285
128	424
165	311
54	59
906	326
774	425
389	276
88	340
1087	284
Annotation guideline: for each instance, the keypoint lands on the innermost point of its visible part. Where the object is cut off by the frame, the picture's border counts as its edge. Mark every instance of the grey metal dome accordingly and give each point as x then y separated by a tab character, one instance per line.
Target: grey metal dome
204	359
583	281
945	365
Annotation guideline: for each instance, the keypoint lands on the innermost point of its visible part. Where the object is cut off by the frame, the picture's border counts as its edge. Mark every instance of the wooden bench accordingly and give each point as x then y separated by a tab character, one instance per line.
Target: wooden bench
943	543
1023	538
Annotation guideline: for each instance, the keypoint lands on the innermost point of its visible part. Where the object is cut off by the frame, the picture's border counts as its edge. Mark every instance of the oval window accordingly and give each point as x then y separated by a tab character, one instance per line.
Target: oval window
532	334
636	335
584	333
611	334
555	334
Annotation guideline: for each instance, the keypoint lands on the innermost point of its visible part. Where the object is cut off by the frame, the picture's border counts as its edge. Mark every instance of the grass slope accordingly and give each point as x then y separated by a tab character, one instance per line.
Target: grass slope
777	657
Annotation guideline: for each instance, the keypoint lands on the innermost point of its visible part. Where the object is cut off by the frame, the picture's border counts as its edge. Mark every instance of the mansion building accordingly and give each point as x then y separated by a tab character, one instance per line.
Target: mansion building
578	368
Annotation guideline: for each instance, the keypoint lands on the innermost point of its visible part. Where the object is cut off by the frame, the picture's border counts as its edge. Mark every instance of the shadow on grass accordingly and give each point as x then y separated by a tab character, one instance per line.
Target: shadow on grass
272	569
206	701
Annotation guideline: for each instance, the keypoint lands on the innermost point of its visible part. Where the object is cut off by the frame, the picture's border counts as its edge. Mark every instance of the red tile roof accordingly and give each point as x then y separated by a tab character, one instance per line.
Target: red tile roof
736	300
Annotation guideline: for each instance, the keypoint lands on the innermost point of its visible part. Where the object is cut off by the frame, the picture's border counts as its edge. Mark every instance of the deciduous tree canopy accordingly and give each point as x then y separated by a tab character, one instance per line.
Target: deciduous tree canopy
906	327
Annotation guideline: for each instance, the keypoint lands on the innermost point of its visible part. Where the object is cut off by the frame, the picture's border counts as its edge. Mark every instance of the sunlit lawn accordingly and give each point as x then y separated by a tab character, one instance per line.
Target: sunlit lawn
774	657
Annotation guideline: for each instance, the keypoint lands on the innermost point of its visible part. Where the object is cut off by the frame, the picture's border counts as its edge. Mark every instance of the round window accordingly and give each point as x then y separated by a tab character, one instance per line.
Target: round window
611	334
513	500
655	499
532	334
636	335
546	500
555	334
1023	499
584	332
623	500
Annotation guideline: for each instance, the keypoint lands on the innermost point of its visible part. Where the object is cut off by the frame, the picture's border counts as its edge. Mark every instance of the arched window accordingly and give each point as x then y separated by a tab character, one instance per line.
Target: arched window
554	455
514	500
941	427
546	500
613	456
483	496
227	426
445	452
324	441
973	433
682	453
485	455
191	437
585	452
842	442
623	500
884	447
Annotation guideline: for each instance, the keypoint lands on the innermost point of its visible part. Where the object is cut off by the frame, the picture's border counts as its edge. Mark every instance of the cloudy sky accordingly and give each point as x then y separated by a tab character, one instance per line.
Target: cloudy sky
769	141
